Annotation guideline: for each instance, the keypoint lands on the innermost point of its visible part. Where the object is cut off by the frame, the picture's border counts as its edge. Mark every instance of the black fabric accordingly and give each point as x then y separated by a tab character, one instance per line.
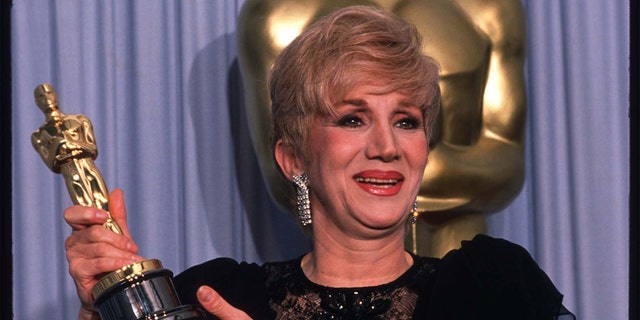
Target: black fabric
486	278
490	279
241	284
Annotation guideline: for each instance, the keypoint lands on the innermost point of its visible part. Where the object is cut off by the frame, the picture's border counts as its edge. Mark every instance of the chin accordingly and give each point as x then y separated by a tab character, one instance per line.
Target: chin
384	223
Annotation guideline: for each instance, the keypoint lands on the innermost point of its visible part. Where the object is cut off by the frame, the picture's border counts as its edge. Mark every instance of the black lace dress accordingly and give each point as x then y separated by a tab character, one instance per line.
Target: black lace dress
486	279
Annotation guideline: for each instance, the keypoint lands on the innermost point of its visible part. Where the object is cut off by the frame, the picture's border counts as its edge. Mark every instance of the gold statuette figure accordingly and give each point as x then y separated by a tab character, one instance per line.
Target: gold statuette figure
476	164
142	290
67	146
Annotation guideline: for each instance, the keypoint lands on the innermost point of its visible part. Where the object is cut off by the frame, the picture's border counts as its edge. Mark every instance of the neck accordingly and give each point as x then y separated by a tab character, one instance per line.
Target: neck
53	114
341	261
386	4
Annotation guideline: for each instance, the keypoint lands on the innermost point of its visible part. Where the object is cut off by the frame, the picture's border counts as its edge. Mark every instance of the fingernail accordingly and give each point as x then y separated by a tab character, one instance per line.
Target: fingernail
101	215
205	294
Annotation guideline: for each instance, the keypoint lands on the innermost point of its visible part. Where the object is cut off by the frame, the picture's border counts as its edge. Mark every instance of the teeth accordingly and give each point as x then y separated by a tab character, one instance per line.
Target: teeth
377	181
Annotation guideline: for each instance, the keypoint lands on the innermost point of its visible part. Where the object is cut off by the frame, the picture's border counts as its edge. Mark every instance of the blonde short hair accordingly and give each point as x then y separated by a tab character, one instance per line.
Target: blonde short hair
347	48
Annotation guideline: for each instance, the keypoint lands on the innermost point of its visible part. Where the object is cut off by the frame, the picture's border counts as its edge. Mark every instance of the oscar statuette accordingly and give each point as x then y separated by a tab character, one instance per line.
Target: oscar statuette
142	290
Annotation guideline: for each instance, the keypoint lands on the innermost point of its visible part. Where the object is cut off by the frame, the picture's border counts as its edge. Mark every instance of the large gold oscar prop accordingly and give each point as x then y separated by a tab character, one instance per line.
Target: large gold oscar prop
476	164
142	290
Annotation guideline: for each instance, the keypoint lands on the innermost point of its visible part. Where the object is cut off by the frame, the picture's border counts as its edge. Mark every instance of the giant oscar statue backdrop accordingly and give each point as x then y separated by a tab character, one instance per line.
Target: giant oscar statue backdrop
476	165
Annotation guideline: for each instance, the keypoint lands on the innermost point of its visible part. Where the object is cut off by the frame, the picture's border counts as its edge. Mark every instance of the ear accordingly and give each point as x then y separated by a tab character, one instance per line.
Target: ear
289	163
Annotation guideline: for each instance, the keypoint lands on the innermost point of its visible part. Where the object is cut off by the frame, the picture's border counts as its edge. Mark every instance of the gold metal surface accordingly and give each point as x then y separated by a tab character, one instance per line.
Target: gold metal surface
67	146
476	165
130	273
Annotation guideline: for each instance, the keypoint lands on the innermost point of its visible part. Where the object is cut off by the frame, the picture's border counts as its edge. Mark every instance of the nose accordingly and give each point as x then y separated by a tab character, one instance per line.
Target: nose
382	144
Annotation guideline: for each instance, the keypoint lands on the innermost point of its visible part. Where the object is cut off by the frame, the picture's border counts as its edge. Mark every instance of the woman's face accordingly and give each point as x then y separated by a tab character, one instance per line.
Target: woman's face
366	163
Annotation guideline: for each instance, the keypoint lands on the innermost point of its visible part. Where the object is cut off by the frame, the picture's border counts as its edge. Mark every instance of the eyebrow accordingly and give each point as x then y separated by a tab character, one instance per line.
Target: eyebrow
354	102
361	103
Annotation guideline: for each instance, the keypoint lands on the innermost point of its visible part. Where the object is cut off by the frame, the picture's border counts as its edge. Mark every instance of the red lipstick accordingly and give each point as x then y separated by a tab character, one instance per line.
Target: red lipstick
381	183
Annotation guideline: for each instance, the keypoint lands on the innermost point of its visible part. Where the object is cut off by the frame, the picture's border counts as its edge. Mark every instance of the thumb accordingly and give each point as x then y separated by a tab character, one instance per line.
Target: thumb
217	306
118	210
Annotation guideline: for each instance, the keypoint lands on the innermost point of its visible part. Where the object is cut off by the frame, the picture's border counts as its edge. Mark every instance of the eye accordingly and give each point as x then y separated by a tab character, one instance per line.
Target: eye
409	123
350	121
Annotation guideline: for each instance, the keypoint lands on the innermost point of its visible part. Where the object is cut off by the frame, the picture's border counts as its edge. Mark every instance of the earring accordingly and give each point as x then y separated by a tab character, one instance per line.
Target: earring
414	228
414	212
302	196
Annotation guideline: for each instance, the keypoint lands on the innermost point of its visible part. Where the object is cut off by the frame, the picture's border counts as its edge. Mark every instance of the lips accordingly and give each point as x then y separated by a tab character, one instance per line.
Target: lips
381	183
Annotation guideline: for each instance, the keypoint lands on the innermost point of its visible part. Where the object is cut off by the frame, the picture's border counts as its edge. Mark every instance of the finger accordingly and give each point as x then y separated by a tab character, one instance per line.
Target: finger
118	210
93	269
81	217
86	273
217	306
95	250
98	234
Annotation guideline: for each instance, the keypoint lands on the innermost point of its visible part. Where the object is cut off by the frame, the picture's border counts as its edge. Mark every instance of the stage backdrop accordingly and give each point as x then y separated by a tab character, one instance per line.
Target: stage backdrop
160	81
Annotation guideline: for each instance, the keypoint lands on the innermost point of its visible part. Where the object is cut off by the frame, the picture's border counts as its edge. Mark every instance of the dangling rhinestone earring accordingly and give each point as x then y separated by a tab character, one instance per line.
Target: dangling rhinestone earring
414	229
302	195
414	212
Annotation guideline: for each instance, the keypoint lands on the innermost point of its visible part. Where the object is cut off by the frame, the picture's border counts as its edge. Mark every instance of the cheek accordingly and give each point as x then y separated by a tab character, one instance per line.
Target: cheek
334	145
331	154
417	153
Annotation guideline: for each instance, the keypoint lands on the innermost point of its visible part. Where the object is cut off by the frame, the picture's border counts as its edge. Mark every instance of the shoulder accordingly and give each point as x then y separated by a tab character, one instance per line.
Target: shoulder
494	278
502	20
242	284
220	267
266	18
493	12
221	274
492	260
483	245
275	23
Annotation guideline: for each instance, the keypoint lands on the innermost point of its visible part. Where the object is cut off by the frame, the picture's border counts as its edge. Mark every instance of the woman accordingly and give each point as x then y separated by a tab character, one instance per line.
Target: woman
353	101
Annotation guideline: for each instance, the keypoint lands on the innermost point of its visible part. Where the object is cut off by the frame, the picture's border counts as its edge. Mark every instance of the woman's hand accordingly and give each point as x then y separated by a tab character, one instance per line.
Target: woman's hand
93	251
217	306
